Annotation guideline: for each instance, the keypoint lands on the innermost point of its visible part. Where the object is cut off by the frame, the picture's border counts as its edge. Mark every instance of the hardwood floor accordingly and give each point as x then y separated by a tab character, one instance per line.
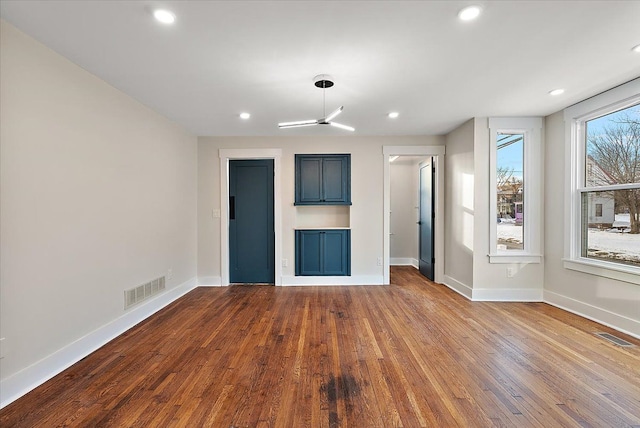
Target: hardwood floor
412	354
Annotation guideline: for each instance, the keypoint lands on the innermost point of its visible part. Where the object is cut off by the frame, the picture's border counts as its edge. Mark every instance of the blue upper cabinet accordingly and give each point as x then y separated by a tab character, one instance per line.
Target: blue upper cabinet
323	180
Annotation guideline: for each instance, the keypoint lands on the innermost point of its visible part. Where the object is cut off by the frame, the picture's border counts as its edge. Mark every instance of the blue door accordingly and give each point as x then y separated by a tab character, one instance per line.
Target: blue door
426	256
251	231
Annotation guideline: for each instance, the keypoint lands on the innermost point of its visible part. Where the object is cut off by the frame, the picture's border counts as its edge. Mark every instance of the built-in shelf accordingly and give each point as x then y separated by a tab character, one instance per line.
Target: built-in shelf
322	228
323	216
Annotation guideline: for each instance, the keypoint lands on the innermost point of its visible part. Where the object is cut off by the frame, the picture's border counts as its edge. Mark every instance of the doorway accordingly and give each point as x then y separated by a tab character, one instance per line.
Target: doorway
251	225
437	154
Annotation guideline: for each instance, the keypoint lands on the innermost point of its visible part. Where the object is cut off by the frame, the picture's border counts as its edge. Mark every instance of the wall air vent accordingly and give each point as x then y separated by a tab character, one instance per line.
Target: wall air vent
142	292
613	339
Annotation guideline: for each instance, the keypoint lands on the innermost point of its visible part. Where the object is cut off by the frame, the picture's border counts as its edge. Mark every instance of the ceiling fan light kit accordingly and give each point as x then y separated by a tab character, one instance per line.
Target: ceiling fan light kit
322	81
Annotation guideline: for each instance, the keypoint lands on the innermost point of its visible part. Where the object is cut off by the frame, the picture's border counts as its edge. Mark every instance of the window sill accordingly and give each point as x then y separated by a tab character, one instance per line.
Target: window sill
515	258
607	270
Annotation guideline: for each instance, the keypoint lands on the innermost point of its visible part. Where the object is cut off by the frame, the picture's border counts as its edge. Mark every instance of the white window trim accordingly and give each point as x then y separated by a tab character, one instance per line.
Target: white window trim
531	127
615	99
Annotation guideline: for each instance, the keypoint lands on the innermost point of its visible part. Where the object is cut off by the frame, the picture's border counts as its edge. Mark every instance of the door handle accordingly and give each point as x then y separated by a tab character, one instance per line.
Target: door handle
232	207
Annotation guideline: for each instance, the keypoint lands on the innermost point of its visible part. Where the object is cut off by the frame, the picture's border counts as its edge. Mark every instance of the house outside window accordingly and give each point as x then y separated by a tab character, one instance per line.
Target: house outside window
603	214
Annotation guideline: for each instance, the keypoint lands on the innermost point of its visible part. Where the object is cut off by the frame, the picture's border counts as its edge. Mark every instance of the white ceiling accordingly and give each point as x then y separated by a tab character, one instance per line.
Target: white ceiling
417	58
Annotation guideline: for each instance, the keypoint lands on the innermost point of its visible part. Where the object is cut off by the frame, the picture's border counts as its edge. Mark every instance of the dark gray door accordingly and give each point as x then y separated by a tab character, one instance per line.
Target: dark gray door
427	260
251	230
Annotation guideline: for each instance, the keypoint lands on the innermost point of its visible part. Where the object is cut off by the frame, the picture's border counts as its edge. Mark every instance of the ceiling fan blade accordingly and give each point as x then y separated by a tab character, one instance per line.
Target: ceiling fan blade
341	126
297	124
334	114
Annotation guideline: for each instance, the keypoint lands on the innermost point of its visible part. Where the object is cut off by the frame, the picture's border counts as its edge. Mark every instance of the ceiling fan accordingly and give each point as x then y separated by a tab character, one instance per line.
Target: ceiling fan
323	81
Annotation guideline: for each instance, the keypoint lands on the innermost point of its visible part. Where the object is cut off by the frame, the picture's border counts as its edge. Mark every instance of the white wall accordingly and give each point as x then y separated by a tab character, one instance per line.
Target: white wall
403	180
490	281
459	208
98	196
366	218
616	303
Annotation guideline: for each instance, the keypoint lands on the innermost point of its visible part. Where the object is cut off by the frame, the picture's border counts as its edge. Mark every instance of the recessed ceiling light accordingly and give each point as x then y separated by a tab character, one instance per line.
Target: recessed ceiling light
393	114
636	48
469	13
164	16
556	92
245	115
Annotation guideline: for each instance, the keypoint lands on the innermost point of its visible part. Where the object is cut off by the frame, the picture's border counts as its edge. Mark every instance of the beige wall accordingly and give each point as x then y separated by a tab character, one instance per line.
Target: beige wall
98	196
614	302
403	180
366	194
459	208
490	280
467	267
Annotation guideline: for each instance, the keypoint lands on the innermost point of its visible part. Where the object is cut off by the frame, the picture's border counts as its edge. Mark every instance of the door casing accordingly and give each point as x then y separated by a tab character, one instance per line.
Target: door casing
438	153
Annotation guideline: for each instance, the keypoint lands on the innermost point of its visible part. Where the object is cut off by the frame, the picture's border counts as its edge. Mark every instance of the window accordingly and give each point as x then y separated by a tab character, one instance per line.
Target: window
603	219
609	218
510	191
515	190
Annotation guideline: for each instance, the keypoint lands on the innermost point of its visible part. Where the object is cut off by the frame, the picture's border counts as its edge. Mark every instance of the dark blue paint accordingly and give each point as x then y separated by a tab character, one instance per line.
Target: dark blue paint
426	221
309	258
323	179
251	230
323	252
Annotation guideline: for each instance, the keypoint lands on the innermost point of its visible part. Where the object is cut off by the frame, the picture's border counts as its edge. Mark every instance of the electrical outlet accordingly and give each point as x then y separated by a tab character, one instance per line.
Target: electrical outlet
511	272
285	262
379	261
170	273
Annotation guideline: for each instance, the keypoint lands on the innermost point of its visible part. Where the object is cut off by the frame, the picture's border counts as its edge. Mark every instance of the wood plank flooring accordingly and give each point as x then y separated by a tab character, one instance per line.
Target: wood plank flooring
413	354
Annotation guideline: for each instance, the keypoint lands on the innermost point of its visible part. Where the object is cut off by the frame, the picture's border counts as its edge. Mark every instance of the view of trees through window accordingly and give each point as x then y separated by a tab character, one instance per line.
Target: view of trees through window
611	195
510	191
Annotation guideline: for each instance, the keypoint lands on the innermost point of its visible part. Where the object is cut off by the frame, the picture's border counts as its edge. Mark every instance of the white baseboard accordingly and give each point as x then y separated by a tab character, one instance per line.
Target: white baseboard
209	281
458	286
621	323
333	280
403	261
506	295
18	384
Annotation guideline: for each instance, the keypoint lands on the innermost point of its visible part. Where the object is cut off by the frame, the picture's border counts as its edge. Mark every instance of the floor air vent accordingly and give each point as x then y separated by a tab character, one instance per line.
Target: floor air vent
613	339
142	292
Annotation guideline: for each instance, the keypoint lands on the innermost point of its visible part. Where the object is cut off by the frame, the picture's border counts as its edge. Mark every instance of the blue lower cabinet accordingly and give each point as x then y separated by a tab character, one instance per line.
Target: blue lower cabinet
325	252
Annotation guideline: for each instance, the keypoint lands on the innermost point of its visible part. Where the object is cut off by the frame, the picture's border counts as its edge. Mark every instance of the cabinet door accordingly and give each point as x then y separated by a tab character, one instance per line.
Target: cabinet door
336	252
323	252
335	179
323	180
308	179
308	252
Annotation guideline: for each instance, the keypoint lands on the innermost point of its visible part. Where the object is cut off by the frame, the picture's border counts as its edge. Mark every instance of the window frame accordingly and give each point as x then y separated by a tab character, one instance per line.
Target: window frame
531	128
598	211
575	117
